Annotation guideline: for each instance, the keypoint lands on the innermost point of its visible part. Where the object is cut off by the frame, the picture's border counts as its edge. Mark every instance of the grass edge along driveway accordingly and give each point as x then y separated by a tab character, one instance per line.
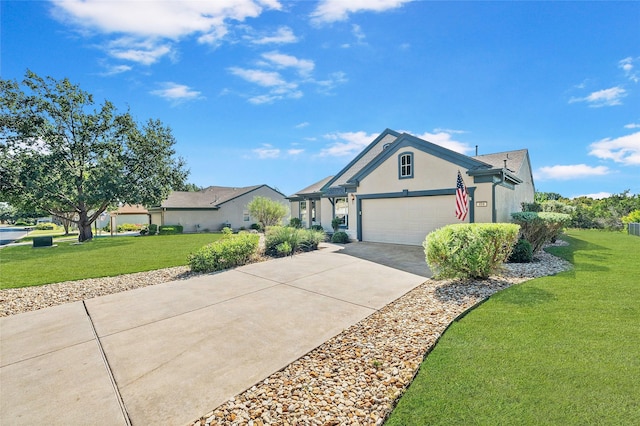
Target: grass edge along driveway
24	266
556	350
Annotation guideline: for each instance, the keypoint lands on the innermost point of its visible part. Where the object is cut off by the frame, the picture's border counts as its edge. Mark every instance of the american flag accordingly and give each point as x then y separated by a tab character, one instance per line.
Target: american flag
461	198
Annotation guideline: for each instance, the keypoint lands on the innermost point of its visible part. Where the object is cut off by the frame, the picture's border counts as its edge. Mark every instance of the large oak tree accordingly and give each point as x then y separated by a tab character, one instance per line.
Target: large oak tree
59	153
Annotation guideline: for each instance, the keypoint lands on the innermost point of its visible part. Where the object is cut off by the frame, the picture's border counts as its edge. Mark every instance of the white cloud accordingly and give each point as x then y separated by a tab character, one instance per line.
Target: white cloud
281	60
569	172
625	149
347	143
335	79
176	92
260	77
339	10
116	69
155	22
295	151
443	138
167	19
595	196
145	52
301	125
282	35
357	32
267	151
627	65
632	126
605	97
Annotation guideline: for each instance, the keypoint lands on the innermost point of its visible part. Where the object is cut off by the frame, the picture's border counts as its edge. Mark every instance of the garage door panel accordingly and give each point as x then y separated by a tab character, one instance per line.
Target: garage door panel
405	220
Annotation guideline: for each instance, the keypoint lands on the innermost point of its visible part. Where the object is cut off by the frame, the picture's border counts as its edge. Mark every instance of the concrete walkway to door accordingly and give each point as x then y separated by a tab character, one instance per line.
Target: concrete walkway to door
168	353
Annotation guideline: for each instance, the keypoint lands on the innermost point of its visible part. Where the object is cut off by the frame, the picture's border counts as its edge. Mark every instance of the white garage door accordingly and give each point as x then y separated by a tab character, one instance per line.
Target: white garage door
405	220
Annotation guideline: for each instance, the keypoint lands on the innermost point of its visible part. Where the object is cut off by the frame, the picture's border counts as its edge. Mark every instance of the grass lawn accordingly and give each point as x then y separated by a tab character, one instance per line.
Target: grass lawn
22	266
560	350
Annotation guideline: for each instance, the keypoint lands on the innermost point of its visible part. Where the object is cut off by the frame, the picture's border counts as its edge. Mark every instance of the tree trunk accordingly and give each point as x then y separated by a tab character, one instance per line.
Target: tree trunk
84	228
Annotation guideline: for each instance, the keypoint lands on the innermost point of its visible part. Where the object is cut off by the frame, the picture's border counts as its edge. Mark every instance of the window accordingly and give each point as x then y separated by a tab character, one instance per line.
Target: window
246	216
341	211
405	165
303	213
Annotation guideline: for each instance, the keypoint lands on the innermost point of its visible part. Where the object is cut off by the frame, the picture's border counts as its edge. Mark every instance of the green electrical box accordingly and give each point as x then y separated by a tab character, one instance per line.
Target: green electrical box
42	241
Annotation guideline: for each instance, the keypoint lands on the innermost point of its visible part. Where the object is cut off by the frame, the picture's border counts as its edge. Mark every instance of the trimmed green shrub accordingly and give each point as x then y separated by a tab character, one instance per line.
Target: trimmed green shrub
224	254
256	226
522	252
170	229
340	237
47	226
335	223
125	227
227	232
469	250
540	228
317	228
153	229
295	222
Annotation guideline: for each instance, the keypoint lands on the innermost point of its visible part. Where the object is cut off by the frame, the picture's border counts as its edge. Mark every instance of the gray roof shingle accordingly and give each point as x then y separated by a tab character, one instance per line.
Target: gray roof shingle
211	197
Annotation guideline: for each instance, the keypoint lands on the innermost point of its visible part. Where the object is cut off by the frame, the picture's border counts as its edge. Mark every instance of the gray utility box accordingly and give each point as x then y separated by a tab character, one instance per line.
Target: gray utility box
42	241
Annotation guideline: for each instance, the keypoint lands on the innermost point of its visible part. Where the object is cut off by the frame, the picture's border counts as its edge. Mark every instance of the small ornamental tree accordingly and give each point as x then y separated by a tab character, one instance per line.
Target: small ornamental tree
267	211
61	155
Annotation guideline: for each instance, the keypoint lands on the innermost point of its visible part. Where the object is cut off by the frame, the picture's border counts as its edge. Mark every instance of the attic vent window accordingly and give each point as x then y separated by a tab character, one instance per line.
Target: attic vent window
385	146
405	165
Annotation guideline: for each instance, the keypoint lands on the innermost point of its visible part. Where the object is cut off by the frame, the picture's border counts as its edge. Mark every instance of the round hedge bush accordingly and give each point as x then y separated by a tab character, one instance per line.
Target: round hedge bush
340	237
522	252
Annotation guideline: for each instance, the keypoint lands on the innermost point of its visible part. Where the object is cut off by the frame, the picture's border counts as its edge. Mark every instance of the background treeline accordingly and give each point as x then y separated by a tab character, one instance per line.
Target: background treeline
611	213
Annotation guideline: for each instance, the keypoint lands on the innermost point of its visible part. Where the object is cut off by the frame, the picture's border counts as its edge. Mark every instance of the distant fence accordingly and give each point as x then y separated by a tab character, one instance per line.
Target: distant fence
634	229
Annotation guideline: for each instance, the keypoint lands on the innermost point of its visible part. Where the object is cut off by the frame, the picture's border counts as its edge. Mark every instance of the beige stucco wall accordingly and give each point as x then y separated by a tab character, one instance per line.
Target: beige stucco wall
231	212
482	194
429	173
156	218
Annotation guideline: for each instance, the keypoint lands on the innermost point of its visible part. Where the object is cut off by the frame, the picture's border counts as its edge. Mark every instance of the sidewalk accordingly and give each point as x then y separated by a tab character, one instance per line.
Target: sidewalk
171	352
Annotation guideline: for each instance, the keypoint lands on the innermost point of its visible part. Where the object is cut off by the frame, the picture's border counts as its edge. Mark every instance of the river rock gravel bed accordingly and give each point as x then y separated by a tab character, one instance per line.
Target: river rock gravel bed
18	300
356	377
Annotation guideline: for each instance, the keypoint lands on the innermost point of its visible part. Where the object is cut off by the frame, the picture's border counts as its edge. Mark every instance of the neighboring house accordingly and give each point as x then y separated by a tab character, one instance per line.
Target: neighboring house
212	208
135	214
401	187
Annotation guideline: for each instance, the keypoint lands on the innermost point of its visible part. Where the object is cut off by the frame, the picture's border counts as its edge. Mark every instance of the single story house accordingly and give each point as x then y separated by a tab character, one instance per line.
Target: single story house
211	208
135	214
400	188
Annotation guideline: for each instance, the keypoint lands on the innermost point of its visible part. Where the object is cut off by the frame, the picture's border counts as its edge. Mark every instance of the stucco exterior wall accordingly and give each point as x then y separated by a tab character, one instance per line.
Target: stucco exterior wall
231	212
482	194
429	173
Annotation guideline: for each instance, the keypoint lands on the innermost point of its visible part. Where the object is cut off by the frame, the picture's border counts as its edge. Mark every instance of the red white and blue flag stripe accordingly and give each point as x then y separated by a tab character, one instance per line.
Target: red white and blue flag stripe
462	199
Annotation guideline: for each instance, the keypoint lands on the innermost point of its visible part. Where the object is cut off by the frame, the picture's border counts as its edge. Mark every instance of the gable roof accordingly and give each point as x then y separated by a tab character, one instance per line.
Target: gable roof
488	167
209	198
388	136
314	189
406	140
131	209
514	159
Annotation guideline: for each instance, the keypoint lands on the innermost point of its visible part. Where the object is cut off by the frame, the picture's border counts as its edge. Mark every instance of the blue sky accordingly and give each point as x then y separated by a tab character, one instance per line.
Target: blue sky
287	93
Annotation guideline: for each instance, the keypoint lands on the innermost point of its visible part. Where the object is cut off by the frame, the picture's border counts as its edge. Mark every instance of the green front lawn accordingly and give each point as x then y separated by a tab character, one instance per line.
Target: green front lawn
23	266
560	350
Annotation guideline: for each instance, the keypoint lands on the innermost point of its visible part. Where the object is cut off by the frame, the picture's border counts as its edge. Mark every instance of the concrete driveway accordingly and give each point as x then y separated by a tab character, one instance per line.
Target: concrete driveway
403	257
168	353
